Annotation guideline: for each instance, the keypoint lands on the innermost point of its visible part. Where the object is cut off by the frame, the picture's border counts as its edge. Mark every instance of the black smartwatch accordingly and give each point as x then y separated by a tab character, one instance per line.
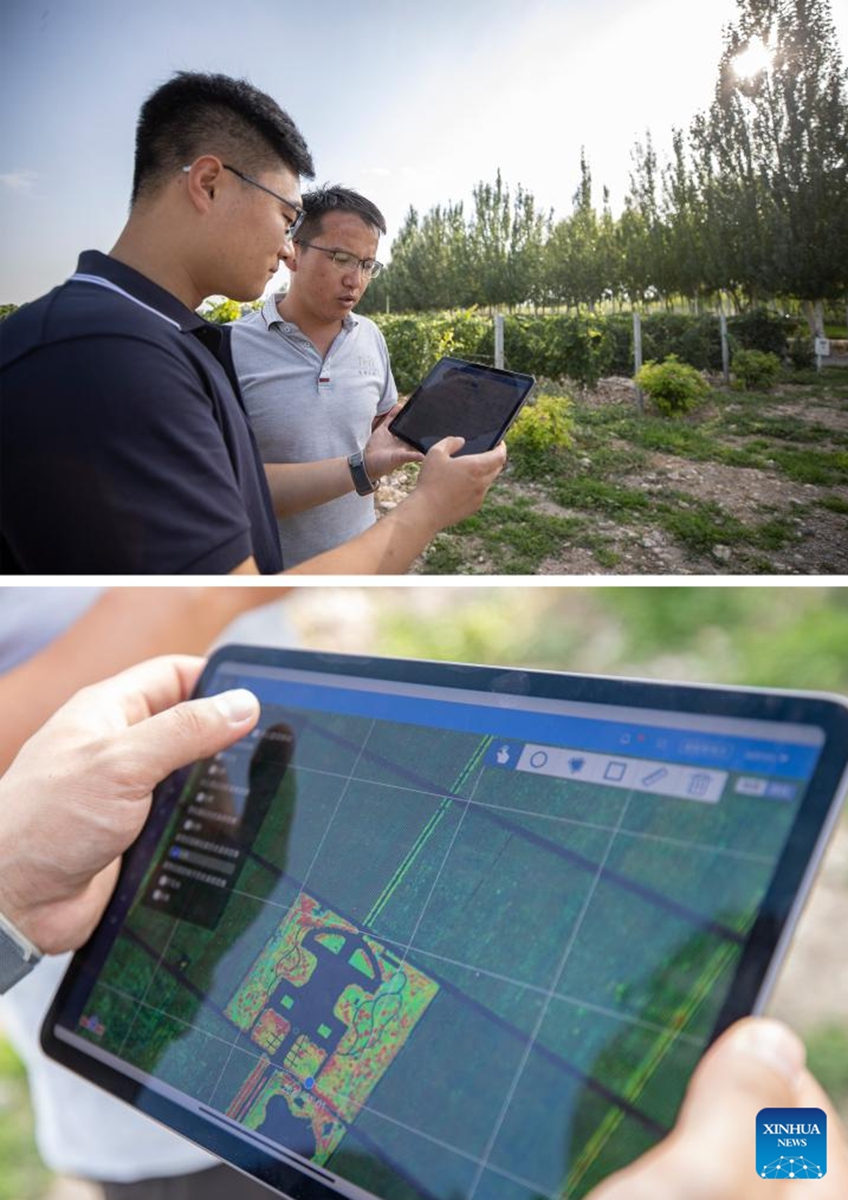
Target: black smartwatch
361	481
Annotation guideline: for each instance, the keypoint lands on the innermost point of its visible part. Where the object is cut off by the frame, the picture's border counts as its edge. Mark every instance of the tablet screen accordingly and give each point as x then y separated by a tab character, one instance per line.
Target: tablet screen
462	399
452	933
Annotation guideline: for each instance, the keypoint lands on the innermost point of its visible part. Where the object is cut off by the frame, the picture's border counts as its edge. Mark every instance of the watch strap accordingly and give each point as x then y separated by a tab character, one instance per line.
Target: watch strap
18	955
363	483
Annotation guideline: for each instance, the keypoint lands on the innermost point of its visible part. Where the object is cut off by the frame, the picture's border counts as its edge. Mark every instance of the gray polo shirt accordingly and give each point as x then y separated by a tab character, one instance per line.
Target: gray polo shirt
303	409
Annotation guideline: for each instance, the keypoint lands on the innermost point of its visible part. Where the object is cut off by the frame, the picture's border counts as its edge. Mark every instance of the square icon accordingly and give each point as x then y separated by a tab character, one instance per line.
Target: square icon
791	1143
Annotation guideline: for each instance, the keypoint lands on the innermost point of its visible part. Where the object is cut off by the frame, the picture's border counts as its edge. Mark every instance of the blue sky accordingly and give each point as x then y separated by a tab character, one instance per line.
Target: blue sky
409	103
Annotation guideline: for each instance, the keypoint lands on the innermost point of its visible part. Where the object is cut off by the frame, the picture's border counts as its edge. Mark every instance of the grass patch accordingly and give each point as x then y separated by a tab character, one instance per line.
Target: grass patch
821	467
605	555
599	494
832	381
514	537
745	424
446	555
702	526
837	504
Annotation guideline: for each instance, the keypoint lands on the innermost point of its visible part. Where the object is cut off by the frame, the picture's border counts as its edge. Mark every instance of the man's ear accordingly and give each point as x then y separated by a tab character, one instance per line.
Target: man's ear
203	177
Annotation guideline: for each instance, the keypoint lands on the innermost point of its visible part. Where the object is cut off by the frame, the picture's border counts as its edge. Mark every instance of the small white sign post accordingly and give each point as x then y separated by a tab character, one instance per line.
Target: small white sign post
822	350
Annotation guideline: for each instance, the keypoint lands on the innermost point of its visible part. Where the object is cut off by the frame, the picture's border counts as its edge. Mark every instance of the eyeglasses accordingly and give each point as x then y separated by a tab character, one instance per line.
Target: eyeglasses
348	262
300	213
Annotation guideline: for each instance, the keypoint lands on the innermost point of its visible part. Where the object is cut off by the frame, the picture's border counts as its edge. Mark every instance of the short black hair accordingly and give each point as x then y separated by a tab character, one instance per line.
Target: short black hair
194	114
335	198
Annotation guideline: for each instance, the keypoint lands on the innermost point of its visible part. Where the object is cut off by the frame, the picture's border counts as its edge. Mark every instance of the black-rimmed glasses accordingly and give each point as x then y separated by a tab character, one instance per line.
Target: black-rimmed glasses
346	261
300	213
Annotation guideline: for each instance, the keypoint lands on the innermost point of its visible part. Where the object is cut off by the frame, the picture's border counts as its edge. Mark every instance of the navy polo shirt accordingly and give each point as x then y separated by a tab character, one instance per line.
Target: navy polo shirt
124	447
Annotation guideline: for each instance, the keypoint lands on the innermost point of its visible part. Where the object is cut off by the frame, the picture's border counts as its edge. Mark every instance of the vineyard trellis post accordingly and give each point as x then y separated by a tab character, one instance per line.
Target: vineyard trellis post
499	340
637	356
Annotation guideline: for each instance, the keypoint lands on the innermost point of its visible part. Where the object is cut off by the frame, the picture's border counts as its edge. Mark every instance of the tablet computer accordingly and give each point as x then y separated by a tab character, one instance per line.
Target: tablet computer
462	399
450	932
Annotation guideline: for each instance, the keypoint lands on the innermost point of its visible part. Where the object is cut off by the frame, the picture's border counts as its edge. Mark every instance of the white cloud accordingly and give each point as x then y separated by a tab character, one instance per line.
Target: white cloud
19	180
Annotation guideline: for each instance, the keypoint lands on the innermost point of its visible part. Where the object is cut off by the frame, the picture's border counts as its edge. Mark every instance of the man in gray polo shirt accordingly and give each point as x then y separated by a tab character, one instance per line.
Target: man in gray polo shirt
316	380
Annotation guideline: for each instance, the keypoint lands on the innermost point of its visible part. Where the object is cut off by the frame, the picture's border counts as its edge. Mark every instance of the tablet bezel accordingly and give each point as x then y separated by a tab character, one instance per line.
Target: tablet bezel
397	423
765	945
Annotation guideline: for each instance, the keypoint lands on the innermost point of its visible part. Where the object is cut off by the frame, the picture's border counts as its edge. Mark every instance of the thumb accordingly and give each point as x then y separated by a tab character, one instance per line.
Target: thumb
449	446
709	1155
757	1063
184	733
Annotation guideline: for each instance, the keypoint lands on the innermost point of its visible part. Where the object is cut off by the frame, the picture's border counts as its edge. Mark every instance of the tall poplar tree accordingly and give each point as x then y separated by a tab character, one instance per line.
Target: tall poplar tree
772	154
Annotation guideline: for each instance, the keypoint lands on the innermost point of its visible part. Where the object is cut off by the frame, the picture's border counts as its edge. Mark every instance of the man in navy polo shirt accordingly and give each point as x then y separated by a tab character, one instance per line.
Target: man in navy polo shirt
125	447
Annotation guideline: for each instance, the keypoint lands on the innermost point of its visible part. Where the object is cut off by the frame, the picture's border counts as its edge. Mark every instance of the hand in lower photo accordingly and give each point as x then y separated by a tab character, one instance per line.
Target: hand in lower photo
710	1154
80	789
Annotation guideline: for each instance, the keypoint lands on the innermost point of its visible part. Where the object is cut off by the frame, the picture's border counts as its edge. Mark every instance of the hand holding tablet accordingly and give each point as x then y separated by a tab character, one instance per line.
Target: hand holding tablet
61	838
440	931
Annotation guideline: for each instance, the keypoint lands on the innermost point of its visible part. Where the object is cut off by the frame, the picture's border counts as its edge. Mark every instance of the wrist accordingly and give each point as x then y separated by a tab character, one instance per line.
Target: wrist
372	469
417	516
14	909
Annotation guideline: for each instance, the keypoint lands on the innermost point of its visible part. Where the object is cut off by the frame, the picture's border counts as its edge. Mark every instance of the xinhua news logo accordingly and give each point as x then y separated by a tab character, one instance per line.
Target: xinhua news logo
791	1143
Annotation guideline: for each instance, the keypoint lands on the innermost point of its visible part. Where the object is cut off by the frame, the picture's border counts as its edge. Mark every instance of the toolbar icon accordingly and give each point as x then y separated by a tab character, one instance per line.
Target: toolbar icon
698	785
654	777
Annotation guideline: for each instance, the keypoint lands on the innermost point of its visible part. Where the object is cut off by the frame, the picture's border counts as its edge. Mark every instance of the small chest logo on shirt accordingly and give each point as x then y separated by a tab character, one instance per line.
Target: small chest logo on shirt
366	364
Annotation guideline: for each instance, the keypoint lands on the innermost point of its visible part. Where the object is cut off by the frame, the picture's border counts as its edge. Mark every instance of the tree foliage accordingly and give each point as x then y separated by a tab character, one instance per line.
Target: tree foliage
753	202
771	154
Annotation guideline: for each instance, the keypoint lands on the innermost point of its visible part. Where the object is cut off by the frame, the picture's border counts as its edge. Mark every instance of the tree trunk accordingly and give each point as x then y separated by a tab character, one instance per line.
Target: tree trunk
814	310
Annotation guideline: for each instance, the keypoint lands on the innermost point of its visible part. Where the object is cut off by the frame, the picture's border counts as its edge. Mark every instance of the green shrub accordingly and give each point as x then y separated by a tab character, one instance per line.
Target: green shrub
674	387
416	342
755	370
761	330
801	353
693	339
542	430
620	343
412	348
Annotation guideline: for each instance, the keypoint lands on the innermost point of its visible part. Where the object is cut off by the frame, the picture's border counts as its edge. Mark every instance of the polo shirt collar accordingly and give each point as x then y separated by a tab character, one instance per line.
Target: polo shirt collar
92	262
271	316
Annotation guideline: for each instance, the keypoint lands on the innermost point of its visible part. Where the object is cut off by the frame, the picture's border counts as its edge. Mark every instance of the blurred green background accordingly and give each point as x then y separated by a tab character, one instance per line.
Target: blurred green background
791	637
763	636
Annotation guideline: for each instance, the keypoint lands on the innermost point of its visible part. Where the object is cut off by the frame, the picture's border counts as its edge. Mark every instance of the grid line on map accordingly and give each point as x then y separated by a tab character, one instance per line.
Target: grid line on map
545	1007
